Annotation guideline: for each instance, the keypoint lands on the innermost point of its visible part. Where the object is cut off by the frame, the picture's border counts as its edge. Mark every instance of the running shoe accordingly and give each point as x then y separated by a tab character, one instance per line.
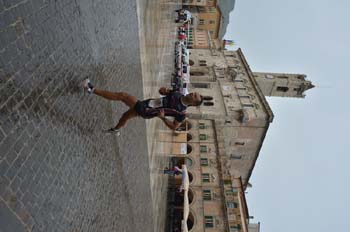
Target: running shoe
88	87
113	131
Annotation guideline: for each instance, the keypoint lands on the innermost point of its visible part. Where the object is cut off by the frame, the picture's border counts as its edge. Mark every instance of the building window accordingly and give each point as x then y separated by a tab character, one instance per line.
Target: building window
189	148
203	148
227	181
207	98
239	143
203	137
208	103
232	205
212	22
228	192
282	77
232	156
235	228
201	125
201	22
206	177
282	89
196	73
188	162
209	221
200	85
204	162
189	137
202	63
245	106
211	9
207	194
244	96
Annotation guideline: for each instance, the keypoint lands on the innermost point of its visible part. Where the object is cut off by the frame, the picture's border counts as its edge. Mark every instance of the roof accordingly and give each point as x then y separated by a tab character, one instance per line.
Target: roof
225	7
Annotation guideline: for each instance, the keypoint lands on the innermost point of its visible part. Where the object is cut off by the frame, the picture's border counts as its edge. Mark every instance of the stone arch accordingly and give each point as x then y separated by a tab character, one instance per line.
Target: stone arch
191	196
189	148
189	137
190	221
190	176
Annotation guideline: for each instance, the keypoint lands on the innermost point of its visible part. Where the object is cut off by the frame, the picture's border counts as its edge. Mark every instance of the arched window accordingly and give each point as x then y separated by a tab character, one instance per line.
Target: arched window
200	85
282	88
189	148
189	137
188	162
207	98
190	176
190	196
190	222
208	103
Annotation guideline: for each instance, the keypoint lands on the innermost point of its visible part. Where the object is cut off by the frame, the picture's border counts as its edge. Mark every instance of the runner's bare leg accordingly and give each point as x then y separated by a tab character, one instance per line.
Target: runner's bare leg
126	98
131	113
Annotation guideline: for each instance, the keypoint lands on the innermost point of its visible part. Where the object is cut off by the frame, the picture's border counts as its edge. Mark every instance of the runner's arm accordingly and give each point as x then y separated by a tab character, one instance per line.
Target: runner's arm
164	91
173	125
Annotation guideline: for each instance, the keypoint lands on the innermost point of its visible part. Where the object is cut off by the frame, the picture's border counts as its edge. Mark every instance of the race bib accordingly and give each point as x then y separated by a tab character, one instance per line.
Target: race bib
155	103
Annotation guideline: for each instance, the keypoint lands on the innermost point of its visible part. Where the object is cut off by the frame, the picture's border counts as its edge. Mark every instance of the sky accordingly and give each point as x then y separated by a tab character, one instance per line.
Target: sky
301	179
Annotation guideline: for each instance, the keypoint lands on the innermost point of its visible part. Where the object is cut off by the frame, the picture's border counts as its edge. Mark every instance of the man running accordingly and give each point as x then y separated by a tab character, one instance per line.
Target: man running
173	104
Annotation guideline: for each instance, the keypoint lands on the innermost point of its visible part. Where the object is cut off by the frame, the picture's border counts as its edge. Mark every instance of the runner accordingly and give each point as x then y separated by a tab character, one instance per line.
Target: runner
173	104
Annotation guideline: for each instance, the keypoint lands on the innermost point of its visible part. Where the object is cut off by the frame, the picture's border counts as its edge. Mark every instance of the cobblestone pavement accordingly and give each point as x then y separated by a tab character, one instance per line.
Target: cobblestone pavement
58	171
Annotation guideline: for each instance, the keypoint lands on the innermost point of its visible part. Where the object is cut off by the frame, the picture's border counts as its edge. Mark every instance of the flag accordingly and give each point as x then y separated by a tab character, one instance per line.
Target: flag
229	42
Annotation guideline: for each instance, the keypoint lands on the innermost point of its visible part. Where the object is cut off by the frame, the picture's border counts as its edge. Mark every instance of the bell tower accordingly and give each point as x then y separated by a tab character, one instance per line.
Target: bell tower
283	84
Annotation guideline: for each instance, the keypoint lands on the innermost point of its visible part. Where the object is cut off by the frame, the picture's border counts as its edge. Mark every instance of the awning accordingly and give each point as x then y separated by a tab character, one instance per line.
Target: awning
185	178
185	187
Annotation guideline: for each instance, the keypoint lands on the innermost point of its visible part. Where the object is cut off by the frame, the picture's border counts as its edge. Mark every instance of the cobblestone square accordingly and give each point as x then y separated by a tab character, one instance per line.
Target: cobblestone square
58	171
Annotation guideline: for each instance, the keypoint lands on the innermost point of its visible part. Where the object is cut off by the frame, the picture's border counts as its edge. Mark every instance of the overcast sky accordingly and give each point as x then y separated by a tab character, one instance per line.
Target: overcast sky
301	181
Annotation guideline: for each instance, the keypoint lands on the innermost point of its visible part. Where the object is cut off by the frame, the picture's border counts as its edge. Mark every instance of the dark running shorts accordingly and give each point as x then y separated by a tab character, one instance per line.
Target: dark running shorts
142	109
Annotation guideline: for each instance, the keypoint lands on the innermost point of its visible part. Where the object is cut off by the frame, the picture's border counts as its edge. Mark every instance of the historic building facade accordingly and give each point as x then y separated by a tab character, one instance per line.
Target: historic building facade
209	21
221	140
199	2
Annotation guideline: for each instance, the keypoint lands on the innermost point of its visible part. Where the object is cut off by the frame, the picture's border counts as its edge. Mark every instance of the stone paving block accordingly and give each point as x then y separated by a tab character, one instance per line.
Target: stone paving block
4	166
8	220
1	6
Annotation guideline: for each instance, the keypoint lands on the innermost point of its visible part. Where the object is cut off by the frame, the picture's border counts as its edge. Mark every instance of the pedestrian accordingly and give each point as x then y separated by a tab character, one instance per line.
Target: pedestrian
173	171
173	104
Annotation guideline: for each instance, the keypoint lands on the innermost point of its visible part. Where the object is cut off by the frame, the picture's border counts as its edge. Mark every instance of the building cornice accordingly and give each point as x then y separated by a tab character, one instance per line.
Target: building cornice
256	86
266	107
